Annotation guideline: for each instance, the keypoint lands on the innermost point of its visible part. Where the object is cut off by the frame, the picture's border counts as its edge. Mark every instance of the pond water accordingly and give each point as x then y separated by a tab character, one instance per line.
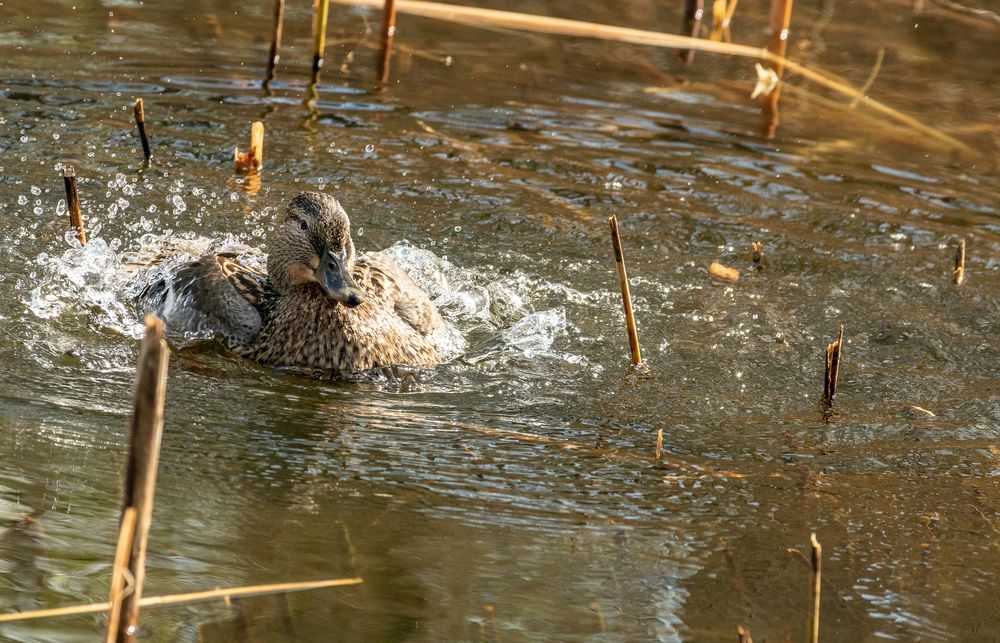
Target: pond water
513	493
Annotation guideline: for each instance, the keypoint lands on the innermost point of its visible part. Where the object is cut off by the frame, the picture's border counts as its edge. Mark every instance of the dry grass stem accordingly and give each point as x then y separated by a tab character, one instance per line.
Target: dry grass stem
693	12
275	54
633	334
832	371
73	204
725	273
958	275
817	574
321	13
388	33
140	123
251	161
120	577
184	599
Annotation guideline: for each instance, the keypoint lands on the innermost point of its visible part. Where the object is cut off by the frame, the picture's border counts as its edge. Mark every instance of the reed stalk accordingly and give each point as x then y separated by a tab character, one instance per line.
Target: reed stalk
388	34
140	123
492	18
780	19
958	275
143	459
183	599
119	573
73	204
832	371
251	161
275	54
633	335
817	572
693	12
321	13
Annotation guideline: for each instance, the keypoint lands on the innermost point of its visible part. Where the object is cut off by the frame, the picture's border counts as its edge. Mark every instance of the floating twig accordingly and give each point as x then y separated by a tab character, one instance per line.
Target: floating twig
321	13
659	444
73	204
251	161
743	635
958	275
143	459
275	54
817	571
140	123
832	373
725	273
780	20
184	599
119	573
758	256
388	33
693	12
633	335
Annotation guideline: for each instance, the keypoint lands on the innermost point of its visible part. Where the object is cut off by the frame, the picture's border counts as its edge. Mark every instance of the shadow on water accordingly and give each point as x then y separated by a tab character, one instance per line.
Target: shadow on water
513	493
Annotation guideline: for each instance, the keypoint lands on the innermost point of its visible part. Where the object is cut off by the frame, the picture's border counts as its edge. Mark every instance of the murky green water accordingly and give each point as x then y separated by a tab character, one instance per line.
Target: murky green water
512	494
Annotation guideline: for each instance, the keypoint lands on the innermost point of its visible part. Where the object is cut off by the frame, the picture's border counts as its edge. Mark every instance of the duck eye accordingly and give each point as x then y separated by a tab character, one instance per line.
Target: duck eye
303	224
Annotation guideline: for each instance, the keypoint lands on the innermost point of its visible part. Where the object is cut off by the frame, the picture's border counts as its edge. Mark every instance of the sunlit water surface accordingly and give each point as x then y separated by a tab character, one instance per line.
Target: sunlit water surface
513	494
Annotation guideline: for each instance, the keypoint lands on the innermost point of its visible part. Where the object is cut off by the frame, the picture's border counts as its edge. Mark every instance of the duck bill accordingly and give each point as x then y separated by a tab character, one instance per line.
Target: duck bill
336	280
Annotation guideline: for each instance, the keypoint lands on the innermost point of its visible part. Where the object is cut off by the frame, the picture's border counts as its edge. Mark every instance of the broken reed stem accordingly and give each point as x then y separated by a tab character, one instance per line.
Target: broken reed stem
633	335
659	444
321	13
275	53
140	123
182	599
388	33
119	573
143	459
73	204
817	573
832	371
780	20
478	17
693	12
743	635
958	275
251	161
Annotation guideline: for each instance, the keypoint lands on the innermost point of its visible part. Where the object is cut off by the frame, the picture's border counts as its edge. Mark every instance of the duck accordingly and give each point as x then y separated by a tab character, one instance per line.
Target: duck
319	305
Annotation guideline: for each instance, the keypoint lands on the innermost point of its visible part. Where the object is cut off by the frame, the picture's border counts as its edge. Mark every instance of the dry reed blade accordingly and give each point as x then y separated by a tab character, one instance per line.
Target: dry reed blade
184	599
73	204
275	53
693	12
251	161
834	350
119	573
140	123
958	275
477	17
780	20
143	459
633	335
388	34
321	13
817	575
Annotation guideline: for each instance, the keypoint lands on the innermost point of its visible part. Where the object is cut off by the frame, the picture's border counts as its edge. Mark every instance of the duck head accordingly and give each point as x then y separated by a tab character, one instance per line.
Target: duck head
313	248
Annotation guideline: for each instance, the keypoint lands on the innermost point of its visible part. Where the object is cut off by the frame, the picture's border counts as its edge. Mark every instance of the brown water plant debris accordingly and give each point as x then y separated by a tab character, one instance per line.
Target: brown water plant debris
743	635
817	573
73	203
758	256
832	372
251	161
388	33
724	273
958	275
275	54
633	334
767	80
659	444
140	123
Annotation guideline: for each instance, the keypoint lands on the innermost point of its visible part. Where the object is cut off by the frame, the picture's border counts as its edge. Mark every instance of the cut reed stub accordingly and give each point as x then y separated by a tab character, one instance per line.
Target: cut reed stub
633	334
723	273
817	578
73	203
321	13
388	34
251	161
780	20
275	53
834	350
758	256
140	123
958	275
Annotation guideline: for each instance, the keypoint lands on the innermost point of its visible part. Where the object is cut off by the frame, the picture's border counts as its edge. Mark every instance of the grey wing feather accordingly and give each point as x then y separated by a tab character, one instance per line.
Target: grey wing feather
209	297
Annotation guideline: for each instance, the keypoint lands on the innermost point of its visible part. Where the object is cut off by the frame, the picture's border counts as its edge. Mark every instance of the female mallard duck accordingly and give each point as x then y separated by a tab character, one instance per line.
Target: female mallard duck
317	307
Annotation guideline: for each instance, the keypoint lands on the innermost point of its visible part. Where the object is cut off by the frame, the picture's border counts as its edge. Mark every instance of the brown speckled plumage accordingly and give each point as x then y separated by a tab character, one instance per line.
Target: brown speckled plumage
305	311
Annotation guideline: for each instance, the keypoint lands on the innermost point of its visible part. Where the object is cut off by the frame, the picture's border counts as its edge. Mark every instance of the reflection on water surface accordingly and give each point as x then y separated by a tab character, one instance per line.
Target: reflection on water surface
512	494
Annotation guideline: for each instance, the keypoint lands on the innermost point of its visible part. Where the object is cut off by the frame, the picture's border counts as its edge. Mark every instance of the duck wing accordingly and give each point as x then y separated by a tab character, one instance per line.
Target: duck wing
212	296
387	281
